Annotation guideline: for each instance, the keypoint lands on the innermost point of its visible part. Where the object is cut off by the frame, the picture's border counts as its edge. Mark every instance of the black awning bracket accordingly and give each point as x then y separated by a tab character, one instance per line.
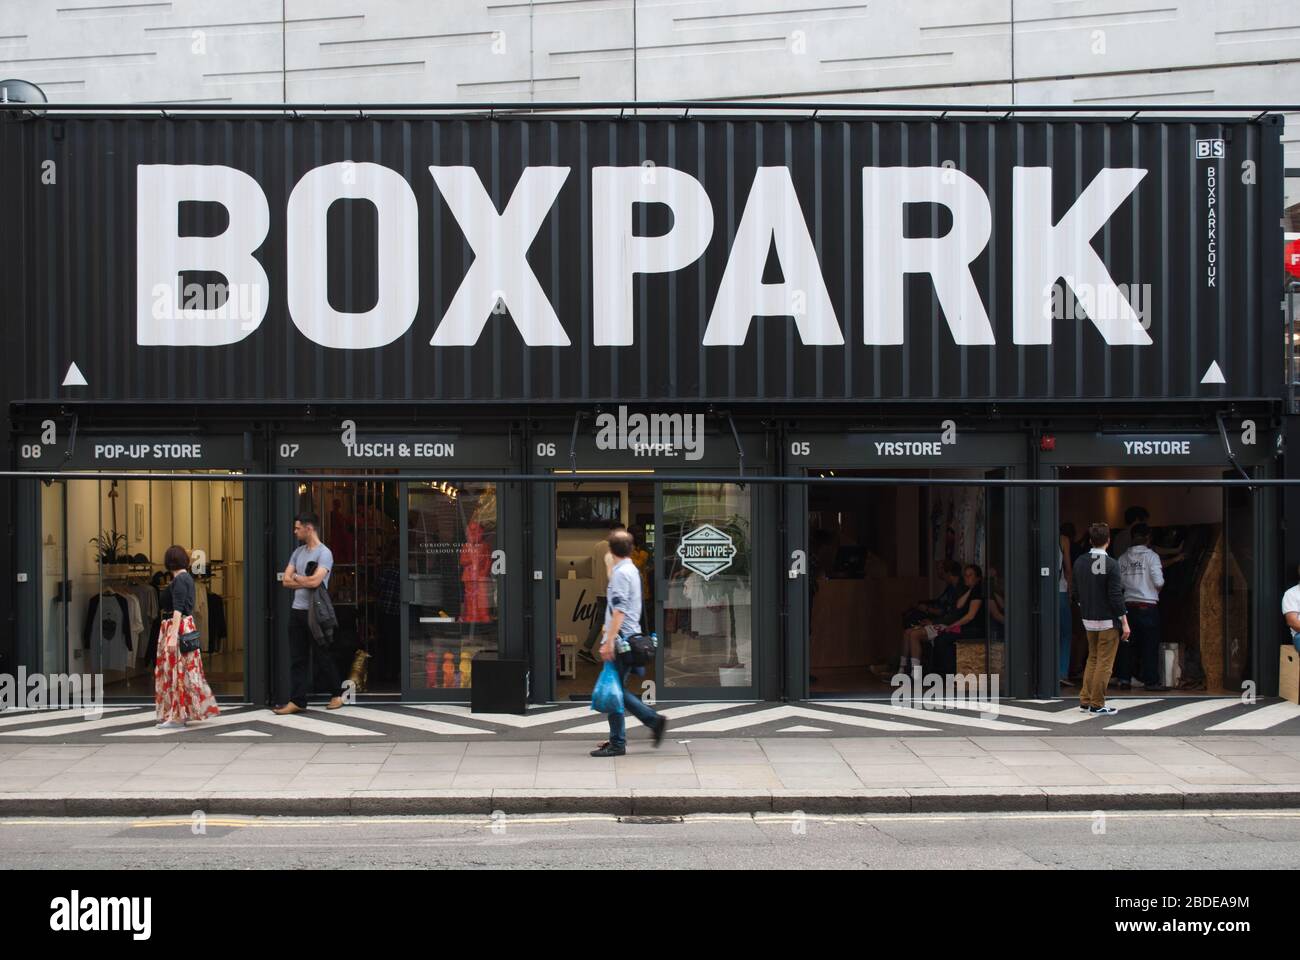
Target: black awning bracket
573	446
72	440
1227	447
740	449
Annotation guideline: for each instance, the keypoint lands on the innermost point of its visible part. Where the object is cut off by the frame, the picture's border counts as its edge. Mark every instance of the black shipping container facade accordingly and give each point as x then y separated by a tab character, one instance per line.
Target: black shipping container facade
401	309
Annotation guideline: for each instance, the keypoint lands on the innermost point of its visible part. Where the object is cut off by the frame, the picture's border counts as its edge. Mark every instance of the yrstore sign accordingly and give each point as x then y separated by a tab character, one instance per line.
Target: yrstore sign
537	259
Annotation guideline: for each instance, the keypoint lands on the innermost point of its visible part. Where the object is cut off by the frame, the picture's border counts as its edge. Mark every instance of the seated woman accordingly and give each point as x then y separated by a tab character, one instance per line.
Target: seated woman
930	627
968	624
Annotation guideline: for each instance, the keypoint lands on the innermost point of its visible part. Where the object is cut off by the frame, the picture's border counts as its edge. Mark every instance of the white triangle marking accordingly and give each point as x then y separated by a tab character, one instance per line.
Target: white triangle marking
1213	374
803	729
74	377
244	733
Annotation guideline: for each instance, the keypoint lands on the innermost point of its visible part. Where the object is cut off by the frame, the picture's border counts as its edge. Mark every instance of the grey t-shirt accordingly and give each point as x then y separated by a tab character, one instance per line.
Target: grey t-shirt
303	556
624	593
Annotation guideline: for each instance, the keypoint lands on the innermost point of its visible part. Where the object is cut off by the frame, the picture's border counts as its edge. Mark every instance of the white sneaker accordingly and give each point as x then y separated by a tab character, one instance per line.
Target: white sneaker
171	725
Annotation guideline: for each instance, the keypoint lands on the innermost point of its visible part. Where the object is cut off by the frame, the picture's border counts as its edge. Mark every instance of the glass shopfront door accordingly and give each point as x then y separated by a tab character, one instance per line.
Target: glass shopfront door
454	567
706	607
703	551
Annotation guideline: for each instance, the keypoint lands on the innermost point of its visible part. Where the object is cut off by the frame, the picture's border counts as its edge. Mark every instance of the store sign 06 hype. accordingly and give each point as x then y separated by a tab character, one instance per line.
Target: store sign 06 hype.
1043	251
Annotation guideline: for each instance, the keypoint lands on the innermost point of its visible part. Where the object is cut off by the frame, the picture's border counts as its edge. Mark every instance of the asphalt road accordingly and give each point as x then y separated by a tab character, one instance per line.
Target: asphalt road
1164	840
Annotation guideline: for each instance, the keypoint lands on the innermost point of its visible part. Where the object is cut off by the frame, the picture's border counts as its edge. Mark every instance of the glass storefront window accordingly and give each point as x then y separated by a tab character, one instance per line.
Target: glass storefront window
103	543
454	612
708	635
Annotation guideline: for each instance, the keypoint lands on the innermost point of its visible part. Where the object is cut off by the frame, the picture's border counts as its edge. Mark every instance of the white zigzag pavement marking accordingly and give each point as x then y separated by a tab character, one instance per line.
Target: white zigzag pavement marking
87	726
406	721
225	718
1179	714
672	713
1069	715
10	718
1261	719
534	718
938	716
787	712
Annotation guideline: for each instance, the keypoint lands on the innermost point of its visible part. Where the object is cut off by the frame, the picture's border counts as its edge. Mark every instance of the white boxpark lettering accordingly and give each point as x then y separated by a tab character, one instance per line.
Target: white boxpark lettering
772	217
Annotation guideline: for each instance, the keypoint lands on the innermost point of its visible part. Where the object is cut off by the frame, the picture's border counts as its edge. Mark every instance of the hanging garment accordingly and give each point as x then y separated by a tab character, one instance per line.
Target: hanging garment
216	622
107	631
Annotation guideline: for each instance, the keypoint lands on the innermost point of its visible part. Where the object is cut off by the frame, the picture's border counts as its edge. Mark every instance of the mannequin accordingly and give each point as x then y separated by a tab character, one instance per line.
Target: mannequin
475	573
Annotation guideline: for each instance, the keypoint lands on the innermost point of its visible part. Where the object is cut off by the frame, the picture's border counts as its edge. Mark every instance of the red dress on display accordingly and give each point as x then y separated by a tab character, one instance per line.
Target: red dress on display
475	573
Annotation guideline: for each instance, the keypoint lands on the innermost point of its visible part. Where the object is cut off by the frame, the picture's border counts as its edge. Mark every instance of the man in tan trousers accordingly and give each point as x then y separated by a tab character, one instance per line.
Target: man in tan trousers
1100	592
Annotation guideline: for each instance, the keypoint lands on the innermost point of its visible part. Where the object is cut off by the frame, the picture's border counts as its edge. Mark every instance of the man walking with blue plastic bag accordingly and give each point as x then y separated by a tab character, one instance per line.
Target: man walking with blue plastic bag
622	621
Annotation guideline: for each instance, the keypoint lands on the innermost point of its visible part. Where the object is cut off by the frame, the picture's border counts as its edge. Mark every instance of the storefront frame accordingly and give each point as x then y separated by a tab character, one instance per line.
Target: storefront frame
720	455
1206	449
77	452
851	449
492	450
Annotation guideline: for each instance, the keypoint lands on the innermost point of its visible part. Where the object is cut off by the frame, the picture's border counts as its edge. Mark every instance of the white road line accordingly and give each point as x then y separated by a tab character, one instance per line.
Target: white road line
10	718
782	713
1261	719
934	716
1179	714
803	729
85	726
672	713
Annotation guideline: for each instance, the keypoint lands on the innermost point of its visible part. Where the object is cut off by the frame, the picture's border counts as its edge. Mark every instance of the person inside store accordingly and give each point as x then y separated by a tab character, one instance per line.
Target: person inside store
925	620
1100	592
966	622
1143	576
1064	581
997	622
181	692
308	568
1291	610
623	620
1123	538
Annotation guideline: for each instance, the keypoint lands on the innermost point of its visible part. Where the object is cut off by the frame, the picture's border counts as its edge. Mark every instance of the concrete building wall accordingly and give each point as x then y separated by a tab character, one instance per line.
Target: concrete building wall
1102	52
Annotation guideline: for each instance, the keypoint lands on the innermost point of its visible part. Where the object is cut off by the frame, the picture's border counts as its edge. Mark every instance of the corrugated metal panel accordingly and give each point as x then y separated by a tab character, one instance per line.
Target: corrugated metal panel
71	273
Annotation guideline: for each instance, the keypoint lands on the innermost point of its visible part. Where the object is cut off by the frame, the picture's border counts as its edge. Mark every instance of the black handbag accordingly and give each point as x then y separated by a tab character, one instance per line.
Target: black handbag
188	642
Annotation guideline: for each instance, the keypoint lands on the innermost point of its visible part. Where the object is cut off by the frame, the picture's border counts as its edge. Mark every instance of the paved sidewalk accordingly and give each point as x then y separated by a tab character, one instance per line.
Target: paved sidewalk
868	774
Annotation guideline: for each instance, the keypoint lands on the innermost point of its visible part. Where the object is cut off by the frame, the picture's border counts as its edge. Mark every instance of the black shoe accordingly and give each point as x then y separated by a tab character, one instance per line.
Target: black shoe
1125	685
660	727
609	752
1157	688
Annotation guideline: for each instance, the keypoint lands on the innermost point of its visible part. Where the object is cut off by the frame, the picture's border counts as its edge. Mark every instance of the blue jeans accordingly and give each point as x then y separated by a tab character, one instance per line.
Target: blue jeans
633	705
1063	605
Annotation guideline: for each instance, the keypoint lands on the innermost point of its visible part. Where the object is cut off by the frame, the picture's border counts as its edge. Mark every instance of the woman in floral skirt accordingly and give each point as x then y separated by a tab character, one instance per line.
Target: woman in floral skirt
181	693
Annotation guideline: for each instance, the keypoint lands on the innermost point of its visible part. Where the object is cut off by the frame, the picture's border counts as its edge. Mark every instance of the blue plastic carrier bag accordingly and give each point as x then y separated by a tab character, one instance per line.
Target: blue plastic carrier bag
607	697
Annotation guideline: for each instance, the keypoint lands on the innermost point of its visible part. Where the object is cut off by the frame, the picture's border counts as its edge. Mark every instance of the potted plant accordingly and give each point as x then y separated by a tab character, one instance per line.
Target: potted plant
110	549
